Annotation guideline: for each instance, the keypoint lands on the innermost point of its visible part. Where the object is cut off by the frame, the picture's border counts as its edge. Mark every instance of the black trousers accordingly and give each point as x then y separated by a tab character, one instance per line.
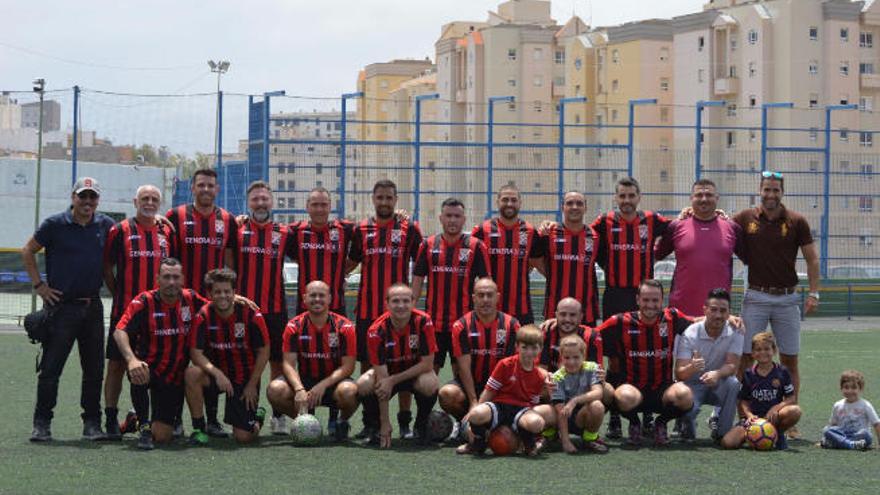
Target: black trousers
82	323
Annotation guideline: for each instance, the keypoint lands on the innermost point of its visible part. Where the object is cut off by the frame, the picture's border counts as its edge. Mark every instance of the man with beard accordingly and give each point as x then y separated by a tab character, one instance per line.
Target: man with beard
204	240
452	262
132	254
384	245
511	243
260	250
772	236
158	323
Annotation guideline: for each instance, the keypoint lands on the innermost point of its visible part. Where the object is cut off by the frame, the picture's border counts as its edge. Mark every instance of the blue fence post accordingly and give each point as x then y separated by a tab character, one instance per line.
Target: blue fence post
560	183
826	189
75	145
765	129
266	116
342	157
417	153
698	147
631	127
490	146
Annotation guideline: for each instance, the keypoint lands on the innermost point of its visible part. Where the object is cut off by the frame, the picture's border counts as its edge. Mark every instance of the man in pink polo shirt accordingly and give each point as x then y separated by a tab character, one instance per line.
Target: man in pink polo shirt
704	245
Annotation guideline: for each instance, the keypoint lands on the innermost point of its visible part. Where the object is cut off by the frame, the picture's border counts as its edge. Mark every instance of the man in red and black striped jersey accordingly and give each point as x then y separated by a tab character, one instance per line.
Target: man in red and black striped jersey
643	343
385	246
229	350
626	240
401	348
153	337
204	240
480	339
320	248
319	357
451	261
132	253
512	243
259	261
570	253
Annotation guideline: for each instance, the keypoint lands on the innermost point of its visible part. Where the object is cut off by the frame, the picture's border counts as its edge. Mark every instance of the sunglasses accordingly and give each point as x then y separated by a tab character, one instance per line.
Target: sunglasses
768	175
87	195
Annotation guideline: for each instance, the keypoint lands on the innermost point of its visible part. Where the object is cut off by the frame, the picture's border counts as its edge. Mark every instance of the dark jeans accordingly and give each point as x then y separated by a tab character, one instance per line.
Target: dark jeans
83	323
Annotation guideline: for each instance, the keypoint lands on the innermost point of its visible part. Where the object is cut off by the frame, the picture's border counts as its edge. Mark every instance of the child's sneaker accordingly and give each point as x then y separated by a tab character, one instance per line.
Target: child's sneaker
859	445
278	425
198	438
145	440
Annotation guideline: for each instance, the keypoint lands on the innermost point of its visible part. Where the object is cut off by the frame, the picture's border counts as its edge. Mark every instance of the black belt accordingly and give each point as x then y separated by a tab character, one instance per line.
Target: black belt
82	301
774	291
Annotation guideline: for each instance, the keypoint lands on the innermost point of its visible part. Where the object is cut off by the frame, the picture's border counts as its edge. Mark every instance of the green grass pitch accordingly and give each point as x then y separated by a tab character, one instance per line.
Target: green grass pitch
69	465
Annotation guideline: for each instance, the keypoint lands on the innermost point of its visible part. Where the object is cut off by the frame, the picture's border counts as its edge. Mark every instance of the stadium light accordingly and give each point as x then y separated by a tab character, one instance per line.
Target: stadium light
39	86
219	68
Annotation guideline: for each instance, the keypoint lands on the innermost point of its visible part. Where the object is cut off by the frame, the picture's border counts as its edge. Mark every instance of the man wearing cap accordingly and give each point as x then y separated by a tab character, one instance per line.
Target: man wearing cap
74	243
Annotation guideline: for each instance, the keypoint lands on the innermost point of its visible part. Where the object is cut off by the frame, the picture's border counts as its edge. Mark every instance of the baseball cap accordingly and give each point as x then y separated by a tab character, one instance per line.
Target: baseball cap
86	184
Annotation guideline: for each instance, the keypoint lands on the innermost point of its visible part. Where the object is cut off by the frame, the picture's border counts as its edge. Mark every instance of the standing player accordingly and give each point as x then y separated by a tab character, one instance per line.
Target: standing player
643	343
626	240
320	248
571	250
230	349
132	253
401	347
319	356
158	323
511	243
385	246
204	240
451	261
260	250
480	339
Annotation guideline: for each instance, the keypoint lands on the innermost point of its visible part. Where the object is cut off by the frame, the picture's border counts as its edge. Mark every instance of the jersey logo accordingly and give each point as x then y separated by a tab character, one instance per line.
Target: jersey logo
752	228
219	226
464	254
784	230
588	245
239	330
185	314
333	339
163	241
501	336
643	232
395	236
664	330
413	341
523	239
276	238
334	235
776	383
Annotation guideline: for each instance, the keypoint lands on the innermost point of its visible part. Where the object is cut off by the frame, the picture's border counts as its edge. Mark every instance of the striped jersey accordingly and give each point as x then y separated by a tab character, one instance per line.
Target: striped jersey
200	241
232	343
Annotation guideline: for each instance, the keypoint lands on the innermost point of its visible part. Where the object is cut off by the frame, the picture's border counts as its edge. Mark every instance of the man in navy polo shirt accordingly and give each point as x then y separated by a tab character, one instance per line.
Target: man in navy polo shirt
74	243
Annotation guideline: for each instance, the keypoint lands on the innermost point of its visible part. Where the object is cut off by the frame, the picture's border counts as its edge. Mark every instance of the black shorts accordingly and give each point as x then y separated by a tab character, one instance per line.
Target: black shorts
506	414
444	347
327	400
361	327
526	319
275	323
478	389
652	400
407	386
166	401
236	412
112	351
618	300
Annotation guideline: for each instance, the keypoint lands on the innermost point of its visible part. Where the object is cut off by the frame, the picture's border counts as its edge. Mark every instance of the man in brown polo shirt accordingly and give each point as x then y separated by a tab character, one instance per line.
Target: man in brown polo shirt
772	236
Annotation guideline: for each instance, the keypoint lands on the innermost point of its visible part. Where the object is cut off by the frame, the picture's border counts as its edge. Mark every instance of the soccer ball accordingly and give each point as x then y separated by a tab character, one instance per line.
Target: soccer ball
306	430
761	435
439	426
503	441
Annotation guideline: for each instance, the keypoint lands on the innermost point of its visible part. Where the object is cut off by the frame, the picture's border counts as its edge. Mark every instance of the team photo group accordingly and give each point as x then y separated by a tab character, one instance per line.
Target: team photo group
199	311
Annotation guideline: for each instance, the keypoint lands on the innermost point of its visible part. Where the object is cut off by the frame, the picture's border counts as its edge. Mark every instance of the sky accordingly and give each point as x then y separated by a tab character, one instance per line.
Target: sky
313	48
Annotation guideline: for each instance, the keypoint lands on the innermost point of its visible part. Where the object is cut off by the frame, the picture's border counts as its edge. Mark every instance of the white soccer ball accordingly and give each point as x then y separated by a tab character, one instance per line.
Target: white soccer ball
306	430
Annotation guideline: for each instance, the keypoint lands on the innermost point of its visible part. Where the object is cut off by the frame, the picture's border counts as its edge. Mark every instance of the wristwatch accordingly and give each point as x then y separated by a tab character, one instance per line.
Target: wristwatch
814	295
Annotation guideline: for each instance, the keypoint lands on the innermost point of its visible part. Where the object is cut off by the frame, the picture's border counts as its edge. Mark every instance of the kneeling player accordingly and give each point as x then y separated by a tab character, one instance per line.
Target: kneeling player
767	392
401	347
230	349
577	396
319	355
512	396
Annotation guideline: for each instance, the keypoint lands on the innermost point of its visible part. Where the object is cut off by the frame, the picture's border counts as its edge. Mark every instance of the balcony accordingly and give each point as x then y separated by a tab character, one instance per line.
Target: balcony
726	86
870	81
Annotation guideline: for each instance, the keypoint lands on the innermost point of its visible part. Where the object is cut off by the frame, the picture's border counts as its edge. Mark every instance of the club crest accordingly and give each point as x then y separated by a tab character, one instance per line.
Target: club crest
643	232
664	330
276	238
395	236
464	254
185	314
239	330
523	239
588	245
219	226
413	341
334	235
501	336
333	339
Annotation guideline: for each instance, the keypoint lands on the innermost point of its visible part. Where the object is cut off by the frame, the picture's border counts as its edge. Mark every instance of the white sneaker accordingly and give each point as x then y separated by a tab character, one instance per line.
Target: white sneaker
456	428
278	425
859	445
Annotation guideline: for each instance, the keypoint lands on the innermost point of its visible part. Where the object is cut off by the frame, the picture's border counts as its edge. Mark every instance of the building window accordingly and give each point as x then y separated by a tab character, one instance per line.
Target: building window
538	106
753	69
701	43
538	53
844	34
866	68
383	83
560	57
731	139
867	170
731	110
814	67
664	114
814	165
511	54
282	203
753	135
753	36
664	176
814	33
664	54
732	44
844	68
866	103
753	101
866	139
319	169
844	99
844	165
814	133
538	81
615	86
700	75
866	40
559	81
814	100
844	134
511	106
614	115
866	239
511	83
664	84
615	57
866	204
537	159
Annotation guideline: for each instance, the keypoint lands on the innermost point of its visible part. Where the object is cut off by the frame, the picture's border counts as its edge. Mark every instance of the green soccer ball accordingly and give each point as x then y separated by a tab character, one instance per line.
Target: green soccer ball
306	430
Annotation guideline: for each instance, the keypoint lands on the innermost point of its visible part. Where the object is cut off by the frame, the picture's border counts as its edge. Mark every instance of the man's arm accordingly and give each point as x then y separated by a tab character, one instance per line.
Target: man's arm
29	260
731	364
138	371
109	278
467	378
487	395
594	394
197	356
384	422
812	258
426	364
417	281
665	246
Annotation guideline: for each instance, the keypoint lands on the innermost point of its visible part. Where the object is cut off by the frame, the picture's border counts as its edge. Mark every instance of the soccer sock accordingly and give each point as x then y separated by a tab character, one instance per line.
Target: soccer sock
404	418
527	438
425	404
614	417
334	413
371	411
479	431
276	413
590	436
631	416
212	399
669	411
198	423
140	398
112	414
